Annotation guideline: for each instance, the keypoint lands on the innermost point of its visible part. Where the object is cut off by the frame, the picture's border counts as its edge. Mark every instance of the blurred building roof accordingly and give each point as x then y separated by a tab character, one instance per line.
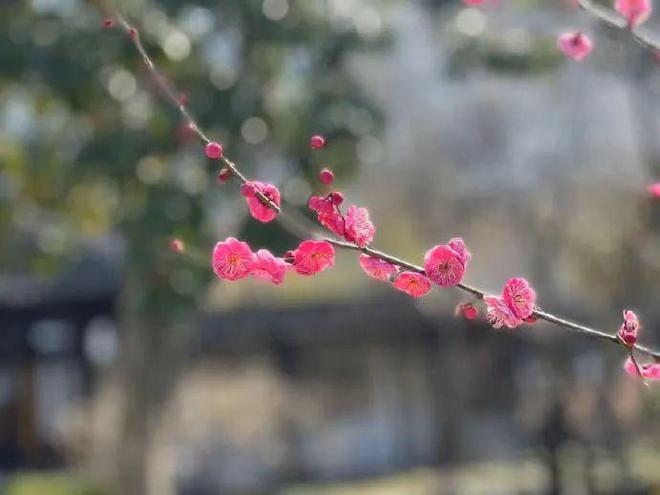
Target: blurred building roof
95	275
323	323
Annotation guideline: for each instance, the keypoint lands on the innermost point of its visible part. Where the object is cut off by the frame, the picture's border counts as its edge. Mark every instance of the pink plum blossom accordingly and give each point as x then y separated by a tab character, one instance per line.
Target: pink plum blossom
213	150
327	213
520	297
654	190
635	11
629	328
499	313
377	268
444	265
232	259
650	371
248	189
413	284
467	311
177	246
458	245
326	176
514	306
259	210
575	45
630	368
359	228
320	203
268	267
317	142
313	257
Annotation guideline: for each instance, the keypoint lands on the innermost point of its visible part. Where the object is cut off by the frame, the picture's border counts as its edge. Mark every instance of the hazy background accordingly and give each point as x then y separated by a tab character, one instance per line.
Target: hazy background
127	369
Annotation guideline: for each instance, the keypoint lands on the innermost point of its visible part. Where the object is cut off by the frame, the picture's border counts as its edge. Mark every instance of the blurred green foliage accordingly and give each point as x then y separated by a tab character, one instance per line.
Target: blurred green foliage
52	484
89	149
539	56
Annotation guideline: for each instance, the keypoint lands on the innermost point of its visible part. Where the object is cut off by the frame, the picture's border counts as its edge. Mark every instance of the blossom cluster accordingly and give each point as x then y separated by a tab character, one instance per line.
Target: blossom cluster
514	306
577	45
444	264
627	334
234	260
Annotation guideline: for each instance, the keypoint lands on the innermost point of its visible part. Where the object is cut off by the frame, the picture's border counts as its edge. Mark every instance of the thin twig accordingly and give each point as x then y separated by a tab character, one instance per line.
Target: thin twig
175	99
296	225
538	312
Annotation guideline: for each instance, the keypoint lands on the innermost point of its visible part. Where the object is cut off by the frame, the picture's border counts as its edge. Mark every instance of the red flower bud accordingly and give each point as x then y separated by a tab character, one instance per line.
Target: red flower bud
224	175
326	176
213	150
248	190
317	142
467	311
177	246
336	197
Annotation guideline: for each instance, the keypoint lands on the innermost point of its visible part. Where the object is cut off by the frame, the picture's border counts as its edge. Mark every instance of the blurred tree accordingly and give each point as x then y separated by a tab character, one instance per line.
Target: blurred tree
88	150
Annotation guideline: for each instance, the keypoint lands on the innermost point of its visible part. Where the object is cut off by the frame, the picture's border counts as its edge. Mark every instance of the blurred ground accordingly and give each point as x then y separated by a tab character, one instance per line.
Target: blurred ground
525	476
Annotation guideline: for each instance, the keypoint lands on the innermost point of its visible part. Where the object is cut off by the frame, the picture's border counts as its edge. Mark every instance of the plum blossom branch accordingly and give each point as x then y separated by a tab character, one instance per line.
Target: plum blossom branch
480	294
616	20
180	103
313	256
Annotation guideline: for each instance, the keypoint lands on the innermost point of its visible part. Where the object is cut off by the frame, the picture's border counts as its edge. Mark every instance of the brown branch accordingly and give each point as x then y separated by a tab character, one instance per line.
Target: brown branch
175	99
613	19
538	312
296	223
